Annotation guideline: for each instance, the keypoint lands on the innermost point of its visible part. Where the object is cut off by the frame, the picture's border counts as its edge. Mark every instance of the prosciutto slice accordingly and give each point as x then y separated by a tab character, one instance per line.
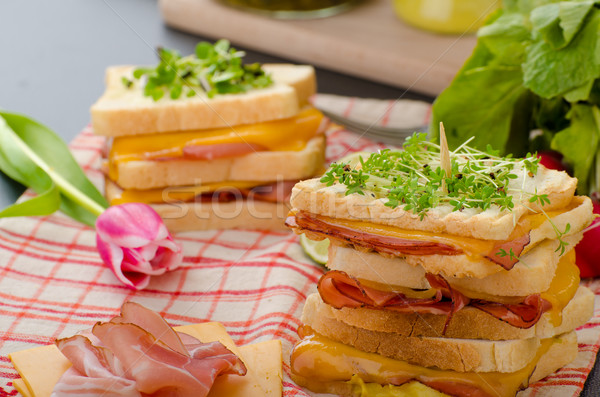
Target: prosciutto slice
139	354
339	290
522	315
399	246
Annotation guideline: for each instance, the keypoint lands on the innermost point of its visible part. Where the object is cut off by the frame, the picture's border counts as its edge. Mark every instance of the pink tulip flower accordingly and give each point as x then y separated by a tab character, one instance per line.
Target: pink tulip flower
135	244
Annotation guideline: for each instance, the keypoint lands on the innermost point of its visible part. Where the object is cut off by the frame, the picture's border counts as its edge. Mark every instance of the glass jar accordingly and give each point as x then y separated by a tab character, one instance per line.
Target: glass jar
446	16
293	9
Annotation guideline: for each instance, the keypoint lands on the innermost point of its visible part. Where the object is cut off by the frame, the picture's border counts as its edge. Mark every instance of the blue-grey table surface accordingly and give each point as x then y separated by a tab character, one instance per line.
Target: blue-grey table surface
53	55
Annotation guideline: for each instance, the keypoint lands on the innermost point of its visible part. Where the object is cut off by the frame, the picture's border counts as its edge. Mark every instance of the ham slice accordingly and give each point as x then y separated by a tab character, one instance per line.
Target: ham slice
399	246
139	354
339	290
220	150
522	315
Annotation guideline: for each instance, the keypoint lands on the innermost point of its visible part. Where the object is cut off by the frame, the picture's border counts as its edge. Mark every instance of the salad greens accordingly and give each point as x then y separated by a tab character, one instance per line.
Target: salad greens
214	69
36	157
413	177
535	68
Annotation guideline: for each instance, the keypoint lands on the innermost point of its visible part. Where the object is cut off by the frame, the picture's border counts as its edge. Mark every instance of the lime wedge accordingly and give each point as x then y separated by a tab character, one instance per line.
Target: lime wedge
316	250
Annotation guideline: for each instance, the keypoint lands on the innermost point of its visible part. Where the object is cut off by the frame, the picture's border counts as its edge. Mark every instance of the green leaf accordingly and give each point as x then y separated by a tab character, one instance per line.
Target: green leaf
581	93
479	103
549	72
579	142
558	23
506	38
45	203
20	168
35	151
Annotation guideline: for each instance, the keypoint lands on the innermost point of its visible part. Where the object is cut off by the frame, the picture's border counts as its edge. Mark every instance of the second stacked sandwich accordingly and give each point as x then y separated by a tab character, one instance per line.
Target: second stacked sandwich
465	283
208	141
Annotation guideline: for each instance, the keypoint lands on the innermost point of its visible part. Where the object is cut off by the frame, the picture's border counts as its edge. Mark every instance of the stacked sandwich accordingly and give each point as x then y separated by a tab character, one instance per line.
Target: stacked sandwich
448	271
208	141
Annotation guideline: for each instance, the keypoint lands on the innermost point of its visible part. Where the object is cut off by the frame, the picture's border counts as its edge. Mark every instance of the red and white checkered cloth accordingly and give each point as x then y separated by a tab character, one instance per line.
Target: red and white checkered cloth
53	283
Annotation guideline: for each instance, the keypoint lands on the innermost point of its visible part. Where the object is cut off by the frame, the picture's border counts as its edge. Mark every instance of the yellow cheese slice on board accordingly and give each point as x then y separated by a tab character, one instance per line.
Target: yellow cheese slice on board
41	367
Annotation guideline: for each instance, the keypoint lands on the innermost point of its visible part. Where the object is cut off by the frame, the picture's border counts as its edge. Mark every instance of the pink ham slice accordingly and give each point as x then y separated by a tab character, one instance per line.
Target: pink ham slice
399	246
339	290
220	150
140	355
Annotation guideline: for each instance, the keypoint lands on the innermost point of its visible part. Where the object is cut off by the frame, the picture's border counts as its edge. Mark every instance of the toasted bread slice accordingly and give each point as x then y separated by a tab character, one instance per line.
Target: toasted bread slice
467	323
122	111
266	166
462	355
562	351
530	276
492	224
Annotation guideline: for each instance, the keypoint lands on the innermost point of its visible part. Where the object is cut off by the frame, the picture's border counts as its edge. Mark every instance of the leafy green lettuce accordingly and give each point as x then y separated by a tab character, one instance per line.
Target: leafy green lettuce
536	67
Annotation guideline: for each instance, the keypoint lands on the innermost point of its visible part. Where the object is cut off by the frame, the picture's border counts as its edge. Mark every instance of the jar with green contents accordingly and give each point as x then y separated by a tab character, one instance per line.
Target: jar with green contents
293	9
446	16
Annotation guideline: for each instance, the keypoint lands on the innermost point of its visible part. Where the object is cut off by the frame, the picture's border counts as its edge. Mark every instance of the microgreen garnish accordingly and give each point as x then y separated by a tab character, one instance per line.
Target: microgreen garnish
213	69
413	177
511	254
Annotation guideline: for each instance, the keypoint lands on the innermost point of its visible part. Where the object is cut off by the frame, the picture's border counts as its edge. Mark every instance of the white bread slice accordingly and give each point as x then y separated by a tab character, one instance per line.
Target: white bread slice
124	111
530	276
492	224
462	355
264	166
560	353
467	323
239	214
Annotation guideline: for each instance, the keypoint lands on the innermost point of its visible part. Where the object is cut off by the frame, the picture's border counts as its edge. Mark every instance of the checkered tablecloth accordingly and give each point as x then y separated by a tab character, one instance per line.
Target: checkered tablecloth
53	283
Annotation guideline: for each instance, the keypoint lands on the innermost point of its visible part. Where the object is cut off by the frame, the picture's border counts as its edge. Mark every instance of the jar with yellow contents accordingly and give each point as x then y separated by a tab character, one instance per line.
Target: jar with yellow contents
293	9
446	16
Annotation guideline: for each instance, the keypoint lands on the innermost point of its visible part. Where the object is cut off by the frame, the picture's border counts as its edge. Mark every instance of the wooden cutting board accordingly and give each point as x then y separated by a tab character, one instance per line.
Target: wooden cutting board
368	41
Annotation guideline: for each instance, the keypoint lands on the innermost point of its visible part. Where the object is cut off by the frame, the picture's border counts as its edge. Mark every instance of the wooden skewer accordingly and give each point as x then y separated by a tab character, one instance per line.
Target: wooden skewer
444	157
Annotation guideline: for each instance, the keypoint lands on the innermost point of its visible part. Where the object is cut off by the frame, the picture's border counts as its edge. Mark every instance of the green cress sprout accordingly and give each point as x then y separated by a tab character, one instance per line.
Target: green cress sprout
413	177
213	69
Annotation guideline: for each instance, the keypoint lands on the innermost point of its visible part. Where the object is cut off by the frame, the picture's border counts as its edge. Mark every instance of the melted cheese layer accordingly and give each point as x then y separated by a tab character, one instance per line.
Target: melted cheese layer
563	287
320	360
472	247
290	134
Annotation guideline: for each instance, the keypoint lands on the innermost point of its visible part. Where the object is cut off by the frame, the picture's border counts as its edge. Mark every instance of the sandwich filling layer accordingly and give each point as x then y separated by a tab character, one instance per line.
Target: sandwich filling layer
401	242
221	192
340	290
291	134
320	360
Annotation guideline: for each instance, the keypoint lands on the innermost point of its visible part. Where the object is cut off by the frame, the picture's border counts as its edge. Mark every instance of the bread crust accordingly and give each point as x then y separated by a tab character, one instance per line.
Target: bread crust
558	355
467	323
121	111
530	276
266	166
491	224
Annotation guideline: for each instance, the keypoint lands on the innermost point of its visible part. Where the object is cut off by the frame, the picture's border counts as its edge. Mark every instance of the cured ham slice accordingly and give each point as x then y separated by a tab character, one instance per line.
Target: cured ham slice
339	290
138	354
522	315
220	150
386	244
499	253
